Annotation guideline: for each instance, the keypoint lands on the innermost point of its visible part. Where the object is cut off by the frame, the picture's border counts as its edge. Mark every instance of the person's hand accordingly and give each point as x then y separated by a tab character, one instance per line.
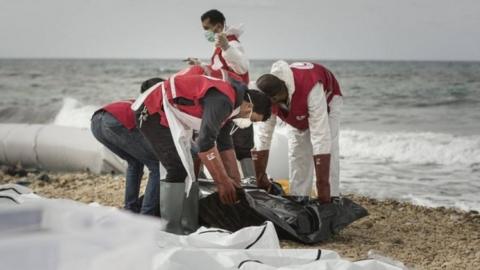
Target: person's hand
227	191
221	41
192	61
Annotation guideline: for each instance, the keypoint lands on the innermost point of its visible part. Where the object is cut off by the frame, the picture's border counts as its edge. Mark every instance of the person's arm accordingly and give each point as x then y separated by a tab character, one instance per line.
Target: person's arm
216	109
224	139
318	121
265	133
261	152
235	57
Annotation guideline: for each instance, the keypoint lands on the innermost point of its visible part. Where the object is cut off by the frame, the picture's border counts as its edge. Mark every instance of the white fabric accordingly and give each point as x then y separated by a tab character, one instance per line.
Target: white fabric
282	70
52	234
141	98
301	169
182	135
50	147
318	121
334	121
235	54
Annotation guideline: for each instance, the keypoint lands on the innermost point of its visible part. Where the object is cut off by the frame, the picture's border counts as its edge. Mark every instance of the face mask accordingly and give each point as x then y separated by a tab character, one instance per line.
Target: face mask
210	36
242	122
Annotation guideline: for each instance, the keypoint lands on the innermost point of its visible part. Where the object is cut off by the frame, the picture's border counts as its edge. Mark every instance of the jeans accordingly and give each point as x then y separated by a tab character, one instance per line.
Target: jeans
131	146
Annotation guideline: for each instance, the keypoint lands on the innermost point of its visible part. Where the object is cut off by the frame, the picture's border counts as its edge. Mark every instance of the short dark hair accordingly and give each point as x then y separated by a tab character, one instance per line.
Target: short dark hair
261	103
270	84
214	16
149	83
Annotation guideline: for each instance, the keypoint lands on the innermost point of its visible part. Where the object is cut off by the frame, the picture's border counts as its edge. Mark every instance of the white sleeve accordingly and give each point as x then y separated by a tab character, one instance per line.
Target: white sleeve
235	57
318	121
265	133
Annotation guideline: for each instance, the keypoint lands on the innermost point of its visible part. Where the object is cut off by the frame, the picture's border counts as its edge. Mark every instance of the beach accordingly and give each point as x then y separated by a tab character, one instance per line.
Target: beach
418	236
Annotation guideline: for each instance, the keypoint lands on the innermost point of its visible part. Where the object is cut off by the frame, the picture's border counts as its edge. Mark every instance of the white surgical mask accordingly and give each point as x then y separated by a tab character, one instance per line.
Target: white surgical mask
210	36
242	122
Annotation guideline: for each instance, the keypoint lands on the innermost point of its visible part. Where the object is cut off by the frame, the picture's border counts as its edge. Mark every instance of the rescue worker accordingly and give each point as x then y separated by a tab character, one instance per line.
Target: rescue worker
229	55
168	113
307	97
114	126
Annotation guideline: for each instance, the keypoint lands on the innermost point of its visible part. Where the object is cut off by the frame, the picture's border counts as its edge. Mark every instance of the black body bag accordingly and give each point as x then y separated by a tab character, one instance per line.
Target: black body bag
296	218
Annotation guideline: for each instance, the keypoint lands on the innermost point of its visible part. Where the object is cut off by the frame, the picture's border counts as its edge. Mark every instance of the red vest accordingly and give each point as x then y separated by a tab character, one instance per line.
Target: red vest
218	51
305	76
207	70
122	112
188	87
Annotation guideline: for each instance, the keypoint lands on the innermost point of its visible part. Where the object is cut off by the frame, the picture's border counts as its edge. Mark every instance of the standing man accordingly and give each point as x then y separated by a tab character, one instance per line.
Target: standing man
229	55
308	98
168	113
114	126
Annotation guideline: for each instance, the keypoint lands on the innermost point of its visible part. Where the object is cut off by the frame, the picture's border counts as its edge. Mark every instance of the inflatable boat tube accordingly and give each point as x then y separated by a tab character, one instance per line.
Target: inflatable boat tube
56	148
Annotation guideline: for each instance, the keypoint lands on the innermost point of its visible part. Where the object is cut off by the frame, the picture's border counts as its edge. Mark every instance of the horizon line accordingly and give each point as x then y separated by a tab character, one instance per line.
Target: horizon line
254	59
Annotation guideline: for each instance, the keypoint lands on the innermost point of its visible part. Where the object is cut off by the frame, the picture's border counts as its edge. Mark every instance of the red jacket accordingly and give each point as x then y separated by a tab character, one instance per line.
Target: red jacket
122	112
188	87
218	51
305	76
222	74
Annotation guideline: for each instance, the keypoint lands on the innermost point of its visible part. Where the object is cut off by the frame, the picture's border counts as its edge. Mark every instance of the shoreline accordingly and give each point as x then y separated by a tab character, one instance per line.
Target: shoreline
419	236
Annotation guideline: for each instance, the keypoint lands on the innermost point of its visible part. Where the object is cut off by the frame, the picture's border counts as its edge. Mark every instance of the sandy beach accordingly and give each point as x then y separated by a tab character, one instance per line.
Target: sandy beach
420	237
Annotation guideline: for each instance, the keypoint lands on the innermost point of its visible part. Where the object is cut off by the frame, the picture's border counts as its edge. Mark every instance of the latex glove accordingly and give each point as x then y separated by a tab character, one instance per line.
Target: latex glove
221	41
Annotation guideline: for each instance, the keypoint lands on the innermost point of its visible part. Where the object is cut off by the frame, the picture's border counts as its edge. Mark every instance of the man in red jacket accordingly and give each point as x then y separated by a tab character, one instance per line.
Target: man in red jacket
229	55
114	126
307	97
169	112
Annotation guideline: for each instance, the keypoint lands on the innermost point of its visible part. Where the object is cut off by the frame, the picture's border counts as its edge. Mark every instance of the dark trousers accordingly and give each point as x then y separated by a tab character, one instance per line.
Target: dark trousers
133	148
243	142
162	143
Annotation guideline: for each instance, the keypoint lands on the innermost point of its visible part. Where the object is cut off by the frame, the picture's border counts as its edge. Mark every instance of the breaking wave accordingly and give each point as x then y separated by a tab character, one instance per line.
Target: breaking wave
74	114
410	147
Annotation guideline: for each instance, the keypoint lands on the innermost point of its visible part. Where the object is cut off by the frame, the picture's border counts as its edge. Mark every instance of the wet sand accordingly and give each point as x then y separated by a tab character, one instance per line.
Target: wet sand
420	237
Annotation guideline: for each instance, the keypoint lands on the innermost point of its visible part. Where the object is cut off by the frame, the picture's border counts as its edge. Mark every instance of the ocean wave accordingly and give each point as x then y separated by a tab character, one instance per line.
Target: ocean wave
74	114
411	147
421	148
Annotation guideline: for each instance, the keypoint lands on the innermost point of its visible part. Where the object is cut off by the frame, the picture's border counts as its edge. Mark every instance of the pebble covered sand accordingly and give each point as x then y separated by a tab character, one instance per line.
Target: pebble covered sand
420	237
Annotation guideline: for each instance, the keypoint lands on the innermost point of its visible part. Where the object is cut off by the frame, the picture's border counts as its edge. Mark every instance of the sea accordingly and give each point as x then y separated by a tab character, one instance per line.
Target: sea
410	131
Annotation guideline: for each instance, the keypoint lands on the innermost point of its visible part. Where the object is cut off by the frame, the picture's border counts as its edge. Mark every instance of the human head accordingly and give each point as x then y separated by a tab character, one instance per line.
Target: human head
213	20
273	87
149	83
256	105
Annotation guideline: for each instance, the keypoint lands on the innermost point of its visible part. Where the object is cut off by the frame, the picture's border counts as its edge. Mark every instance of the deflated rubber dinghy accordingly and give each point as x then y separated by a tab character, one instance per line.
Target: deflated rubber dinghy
55	148
298	219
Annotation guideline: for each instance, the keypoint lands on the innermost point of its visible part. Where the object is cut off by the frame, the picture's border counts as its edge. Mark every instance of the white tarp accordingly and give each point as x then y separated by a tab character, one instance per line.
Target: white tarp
51	234
55	148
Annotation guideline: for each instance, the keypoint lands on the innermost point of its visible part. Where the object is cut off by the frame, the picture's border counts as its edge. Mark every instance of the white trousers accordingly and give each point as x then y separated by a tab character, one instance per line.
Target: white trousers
300	155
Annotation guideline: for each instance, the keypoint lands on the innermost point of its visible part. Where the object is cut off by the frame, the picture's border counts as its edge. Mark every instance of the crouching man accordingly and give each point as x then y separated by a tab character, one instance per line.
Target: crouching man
169	112
307	97
114	126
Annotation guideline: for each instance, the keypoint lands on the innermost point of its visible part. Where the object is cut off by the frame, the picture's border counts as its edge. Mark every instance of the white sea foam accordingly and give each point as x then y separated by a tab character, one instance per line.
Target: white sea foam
410	147
74	114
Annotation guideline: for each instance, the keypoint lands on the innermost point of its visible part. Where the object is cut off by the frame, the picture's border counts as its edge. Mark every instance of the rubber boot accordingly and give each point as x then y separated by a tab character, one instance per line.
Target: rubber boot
172	198
190	214
322	173
247	167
